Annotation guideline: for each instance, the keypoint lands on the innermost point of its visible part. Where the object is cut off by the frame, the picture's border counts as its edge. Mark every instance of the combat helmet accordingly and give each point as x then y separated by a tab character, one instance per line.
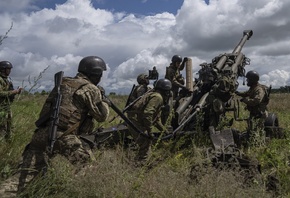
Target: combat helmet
143	79
176	58
92	66
163	84
252	77
5	65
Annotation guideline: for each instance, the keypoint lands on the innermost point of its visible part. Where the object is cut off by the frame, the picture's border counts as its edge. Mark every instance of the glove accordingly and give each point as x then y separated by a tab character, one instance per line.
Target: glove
185	59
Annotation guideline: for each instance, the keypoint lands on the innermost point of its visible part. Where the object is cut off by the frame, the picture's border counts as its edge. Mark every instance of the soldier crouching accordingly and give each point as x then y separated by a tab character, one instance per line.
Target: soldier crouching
81	102
146	113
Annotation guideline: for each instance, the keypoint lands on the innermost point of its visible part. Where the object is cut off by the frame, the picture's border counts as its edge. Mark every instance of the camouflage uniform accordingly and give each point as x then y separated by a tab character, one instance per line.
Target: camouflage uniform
6	98
256	100
173	74
145	114
81	103
138	91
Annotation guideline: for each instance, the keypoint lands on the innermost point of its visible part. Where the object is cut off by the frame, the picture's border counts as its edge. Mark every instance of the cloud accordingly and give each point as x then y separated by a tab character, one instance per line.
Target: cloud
58	38
276	78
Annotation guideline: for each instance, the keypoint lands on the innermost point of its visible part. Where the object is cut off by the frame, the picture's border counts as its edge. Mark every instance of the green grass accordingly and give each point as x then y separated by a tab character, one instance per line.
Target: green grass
169	173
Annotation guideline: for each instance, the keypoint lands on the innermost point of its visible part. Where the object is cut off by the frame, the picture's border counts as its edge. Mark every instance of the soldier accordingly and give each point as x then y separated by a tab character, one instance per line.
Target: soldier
81	102
147	114
140	89
7	94
153	74
173	74
256	100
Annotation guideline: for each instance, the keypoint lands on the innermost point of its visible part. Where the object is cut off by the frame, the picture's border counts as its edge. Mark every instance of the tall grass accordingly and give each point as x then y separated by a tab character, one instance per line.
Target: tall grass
172	171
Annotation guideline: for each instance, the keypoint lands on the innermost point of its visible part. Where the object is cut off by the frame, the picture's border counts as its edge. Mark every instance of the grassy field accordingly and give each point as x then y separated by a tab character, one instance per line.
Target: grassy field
169	172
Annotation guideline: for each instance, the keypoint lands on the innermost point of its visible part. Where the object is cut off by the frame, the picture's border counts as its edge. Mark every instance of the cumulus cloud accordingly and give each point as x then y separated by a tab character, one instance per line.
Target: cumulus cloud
58	38
276	78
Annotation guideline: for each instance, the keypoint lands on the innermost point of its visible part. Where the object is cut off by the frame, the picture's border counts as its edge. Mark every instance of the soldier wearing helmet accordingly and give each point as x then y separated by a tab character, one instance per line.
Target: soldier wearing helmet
140	89
146	115
256	100
173	74
7	94
81	104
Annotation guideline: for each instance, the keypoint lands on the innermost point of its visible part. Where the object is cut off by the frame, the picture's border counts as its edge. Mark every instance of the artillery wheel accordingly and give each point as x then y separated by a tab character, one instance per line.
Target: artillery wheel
271	120
272	128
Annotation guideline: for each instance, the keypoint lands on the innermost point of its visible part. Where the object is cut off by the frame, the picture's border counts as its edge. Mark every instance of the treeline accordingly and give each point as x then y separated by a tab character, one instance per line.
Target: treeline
285	89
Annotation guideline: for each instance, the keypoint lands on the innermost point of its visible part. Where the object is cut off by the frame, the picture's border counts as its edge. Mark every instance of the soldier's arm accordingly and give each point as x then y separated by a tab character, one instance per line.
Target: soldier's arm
257	99
242	94
171	75
91	98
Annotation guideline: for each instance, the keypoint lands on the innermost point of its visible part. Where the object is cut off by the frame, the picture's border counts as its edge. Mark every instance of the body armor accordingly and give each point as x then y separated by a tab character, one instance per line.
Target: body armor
70	114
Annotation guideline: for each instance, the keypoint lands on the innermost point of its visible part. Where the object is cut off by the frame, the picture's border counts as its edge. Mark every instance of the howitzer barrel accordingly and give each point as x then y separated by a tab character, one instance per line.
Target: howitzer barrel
235	67
184	102
201	103
246	36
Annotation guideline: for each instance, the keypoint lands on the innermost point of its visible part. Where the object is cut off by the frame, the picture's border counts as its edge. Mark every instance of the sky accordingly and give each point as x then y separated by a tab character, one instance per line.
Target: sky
132	36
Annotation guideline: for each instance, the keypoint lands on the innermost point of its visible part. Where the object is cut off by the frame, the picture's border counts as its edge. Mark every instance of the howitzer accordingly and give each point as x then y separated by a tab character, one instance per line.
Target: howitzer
218	81
215	89
54	119
211	78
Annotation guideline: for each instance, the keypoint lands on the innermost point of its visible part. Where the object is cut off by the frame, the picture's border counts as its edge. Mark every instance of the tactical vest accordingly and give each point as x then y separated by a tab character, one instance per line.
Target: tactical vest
69	114
260	109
